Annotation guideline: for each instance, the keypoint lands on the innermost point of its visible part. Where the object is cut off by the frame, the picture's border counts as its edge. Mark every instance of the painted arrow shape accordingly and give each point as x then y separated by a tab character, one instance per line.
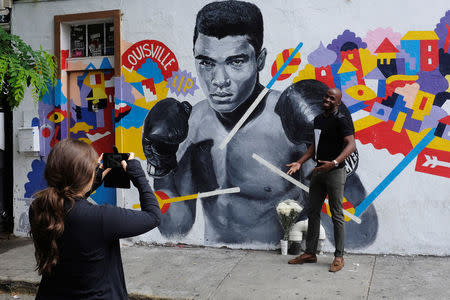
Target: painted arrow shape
165	203
433	162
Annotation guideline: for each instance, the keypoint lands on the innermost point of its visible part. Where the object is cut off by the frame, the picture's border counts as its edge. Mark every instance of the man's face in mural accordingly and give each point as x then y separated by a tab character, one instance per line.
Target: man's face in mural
228	70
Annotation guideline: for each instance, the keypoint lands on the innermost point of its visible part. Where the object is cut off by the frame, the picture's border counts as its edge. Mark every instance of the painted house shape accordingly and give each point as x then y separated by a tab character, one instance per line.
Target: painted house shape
386	51
386	58
346	72
423	46
325	75
443	128
377	82
354	58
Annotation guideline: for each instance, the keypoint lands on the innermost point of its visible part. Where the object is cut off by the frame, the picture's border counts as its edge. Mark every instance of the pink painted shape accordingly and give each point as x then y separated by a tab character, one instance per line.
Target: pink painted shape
375	37
409	93
136	94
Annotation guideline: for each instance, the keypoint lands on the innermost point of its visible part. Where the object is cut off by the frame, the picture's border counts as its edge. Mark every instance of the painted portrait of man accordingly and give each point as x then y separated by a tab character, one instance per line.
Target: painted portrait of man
182	149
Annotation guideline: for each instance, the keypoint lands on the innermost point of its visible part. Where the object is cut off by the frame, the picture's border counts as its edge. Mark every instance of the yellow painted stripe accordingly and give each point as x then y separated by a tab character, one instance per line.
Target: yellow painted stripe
366	122
171	200
398	125
393	78
420	35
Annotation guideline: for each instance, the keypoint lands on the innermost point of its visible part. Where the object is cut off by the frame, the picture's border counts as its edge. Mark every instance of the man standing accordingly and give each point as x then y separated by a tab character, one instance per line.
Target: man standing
335	141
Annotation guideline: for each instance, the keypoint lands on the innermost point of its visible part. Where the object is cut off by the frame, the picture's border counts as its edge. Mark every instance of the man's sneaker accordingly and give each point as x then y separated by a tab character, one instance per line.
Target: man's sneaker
337	265
304	258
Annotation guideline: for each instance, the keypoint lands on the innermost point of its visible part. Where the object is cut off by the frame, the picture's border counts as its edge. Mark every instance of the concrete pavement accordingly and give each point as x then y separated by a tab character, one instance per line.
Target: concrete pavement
180	272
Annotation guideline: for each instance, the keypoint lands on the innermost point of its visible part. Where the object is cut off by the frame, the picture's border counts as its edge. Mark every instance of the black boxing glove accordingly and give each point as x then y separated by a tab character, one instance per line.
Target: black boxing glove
165	127
297	107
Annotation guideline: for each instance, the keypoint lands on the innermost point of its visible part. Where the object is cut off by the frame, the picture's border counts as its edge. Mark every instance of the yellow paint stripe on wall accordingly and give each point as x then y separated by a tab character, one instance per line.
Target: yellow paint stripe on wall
366	122
393	78
398	125
437	143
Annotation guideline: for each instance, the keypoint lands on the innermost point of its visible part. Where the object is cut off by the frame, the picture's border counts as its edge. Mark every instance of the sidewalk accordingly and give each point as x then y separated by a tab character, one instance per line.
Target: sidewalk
154	272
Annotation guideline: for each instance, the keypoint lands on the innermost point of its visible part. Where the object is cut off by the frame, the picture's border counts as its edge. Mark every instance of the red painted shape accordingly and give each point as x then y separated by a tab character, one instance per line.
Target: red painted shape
434	162
159	53
46	132
98	78
122	110
150	84
426	55
163	196
360	92
55	140
356	62
381	136
345	205
64	56
386	47
423	103
447	38
327	78
294	62
445	120
390	88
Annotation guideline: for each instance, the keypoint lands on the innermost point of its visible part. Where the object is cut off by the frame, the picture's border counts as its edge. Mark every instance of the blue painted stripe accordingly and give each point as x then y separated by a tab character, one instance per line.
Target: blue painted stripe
394	173
356	107
274	78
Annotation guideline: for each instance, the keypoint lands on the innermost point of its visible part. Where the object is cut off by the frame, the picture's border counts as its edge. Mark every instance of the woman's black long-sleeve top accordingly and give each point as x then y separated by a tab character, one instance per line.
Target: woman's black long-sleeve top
90	264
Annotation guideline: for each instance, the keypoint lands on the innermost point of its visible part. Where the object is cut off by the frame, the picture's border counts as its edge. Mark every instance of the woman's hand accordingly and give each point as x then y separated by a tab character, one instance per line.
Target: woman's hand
124	163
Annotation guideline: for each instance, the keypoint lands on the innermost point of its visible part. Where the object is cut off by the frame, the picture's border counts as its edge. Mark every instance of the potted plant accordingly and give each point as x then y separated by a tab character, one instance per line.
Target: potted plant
22	67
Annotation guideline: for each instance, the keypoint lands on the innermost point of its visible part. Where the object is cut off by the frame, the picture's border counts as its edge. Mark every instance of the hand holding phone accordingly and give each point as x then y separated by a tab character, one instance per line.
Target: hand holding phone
116	161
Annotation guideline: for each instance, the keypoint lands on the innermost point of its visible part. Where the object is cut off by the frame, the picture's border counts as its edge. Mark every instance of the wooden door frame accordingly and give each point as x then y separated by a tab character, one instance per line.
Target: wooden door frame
106	14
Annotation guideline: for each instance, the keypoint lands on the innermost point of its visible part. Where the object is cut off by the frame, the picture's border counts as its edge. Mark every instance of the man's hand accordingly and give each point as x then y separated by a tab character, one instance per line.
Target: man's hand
325	167
294	167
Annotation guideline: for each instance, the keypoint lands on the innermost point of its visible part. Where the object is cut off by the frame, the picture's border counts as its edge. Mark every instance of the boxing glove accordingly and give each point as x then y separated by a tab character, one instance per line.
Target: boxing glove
165	127
297	107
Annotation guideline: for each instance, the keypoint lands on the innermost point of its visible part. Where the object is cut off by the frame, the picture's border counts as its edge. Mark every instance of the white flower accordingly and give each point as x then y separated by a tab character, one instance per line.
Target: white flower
288	211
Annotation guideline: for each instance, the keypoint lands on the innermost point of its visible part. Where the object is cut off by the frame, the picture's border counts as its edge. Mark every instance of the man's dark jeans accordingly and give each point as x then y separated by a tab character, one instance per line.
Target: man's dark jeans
331	183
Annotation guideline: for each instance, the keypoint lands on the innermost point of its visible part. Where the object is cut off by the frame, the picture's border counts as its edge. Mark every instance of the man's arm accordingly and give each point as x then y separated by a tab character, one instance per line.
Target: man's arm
180	216
296	165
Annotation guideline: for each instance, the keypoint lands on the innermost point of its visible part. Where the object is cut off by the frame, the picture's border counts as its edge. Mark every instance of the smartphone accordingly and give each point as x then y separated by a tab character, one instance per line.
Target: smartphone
112	160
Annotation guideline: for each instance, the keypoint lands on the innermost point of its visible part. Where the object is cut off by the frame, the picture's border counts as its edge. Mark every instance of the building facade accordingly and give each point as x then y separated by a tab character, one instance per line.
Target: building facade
118	59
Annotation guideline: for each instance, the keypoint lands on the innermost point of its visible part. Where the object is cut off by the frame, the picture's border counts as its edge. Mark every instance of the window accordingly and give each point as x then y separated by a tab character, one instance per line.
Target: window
109	20
92	40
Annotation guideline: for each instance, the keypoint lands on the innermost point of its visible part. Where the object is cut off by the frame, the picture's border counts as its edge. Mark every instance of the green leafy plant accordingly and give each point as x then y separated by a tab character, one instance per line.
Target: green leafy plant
21	67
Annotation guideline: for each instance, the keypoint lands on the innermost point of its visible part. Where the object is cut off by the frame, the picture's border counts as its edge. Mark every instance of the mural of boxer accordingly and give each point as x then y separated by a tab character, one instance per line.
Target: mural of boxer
184	157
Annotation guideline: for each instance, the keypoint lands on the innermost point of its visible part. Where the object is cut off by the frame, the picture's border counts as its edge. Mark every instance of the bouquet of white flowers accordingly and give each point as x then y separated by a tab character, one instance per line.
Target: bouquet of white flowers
288	211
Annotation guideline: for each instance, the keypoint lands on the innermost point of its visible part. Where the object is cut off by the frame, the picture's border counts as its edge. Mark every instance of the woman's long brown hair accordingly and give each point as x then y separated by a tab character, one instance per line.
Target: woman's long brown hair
69	170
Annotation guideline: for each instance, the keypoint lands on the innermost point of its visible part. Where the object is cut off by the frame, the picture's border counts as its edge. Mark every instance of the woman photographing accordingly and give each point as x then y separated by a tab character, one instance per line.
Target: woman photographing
77	243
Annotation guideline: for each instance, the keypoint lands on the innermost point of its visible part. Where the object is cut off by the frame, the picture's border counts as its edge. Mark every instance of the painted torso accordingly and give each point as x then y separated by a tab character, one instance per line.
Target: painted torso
243	217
